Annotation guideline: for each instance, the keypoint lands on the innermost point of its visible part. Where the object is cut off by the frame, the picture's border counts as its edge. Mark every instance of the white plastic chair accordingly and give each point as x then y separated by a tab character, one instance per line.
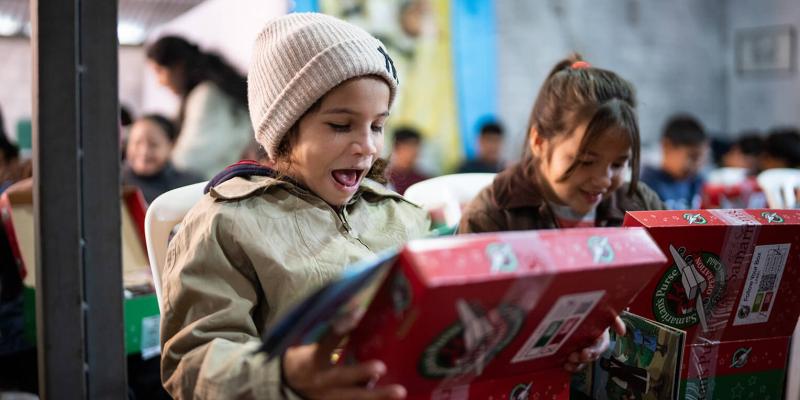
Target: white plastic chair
448	193
780	186
164	213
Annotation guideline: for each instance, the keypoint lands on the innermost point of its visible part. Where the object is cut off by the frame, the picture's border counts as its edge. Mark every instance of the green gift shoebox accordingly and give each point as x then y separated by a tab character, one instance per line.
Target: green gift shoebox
140	304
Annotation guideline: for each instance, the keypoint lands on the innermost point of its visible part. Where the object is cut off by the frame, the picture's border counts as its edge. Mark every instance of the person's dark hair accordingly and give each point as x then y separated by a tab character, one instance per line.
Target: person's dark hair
784	144
164	123
125	116
492	128
684	130
10	150
750	143
198	66
406	135
719	148
574	94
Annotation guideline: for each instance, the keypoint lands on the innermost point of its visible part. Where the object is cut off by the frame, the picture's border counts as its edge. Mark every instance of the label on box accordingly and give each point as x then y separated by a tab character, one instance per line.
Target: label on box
150	344
762	284
558	325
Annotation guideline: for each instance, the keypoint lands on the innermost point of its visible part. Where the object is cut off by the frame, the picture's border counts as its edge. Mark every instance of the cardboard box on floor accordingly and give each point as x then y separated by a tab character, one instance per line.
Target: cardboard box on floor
732	283
496	315
140	307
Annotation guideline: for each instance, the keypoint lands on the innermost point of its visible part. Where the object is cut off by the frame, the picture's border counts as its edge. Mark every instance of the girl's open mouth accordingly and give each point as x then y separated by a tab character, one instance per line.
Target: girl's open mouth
347	177
592	197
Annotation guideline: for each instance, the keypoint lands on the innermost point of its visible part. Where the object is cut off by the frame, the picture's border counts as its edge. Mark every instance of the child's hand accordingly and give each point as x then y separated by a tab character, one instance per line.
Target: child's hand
577	361
308	371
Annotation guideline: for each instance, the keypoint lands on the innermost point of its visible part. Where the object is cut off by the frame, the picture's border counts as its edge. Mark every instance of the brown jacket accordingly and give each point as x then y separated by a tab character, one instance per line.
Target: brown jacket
246	253
514	202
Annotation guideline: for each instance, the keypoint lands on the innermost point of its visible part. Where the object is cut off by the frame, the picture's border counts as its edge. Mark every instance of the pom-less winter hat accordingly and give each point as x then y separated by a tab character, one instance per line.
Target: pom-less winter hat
297	59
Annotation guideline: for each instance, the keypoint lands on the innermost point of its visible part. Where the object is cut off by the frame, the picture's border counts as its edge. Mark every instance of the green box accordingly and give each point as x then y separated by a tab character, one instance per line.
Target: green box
141	323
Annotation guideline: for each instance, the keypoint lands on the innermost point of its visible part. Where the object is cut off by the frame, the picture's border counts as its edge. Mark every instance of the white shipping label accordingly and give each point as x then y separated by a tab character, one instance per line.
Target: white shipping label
150	340
761	287
558	325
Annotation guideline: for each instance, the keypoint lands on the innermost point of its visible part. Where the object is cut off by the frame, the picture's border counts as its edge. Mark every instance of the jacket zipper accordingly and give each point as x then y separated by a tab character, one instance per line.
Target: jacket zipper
342	214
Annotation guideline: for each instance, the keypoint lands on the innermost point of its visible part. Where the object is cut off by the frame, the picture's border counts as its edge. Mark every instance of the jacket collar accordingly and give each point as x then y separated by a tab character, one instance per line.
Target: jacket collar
240	187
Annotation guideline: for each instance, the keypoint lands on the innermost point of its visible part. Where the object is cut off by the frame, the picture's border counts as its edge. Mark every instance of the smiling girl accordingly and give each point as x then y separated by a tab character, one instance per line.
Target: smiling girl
582	136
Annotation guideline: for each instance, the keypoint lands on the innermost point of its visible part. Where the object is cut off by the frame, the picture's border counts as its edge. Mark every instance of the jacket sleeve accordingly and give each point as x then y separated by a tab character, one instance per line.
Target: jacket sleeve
480	216
208	335
650	198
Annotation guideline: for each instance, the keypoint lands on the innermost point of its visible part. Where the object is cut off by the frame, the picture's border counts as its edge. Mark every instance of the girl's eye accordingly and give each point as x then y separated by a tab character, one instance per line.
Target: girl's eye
377	128
618	165
338	127
586	162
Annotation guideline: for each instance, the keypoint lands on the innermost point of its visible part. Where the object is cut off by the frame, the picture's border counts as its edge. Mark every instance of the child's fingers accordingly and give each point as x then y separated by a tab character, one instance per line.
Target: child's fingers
324	349
389	392
600	345
619	326
574	367
352	375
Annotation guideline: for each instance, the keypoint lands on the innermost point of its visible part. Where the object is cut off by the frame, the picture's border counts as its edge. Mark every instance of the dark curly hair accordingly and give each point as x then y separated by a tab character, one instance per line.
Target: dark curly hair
198	67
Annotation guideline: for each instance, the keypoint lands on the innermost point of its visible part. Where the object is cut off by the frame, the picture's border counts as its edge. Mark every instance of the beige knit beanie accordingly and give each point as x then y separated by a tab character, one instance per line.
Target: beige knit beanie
297	59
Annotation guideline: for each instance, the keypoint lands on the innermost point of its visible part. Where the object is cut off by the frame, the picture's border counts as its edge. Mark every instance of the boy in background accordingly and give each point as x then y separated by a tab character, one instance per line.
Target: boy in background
490	145
781	149
402	171
745	152
685	147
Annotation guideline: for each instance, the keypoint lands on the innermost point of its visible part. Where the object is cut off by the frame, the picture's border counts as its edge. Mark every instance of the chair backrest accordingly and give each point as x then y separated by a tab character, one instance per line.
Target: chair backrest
780	185
448	193
164	213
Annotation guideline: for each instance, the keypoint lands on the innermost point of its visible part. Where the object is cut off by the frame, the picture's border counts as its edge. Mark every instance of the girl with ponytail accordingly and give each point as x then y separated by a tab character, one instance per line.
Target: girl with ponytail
582	136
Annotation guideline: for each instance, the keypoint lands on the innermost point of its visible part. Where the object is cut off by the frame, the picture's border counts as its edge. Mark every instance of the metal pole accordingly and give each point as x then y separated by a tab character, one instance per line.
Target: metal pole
56	199
76	200
100	194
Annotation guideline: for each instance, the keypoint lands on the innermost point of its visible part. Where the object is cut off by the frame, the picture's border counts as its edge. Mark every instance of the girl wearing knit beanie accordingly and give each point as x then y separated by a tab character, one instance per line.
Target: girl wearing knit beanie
319	93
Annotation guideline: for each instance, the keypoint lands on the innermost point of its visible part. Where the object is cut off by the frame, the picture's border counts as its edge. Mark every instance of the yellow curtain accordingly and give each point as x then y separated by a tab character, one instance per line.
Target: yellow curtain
417	35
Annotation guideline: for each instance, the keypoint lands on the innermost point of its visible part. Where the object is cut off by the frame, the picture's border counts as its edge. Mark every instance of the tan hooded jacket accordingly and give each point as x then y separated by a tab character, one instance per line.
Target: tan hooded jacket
249	250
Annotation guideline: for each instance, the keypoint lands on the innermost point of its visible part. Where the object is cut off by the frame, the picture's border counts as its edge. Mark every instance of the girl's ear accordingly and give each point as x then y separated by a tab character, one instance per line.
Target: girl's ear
535	142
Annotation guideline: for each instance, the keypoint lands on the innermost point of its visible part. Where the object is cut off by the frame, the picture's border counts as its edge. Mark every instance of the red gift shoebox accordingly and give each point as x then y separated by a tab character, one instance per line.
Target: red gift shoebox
732	283
737	369
731	274
16	209
496	315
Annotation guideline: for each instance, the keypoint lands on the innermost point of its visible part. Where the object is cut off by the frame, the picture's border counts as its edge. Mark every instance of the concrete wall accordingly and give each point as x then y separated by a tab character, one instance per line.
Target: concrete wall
16	79
761	101
673	52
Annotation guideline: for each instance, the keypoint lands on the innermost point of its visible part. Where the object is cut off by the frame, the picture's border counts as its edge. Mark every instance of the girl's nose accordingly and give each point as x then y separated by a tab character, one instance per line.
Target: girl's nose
604	176
365	143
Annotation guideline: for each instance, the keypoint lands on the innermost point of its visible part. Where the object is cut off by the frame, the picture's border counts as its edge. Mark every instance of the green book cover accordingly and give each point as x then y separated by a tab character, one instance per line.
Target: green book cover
644	364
